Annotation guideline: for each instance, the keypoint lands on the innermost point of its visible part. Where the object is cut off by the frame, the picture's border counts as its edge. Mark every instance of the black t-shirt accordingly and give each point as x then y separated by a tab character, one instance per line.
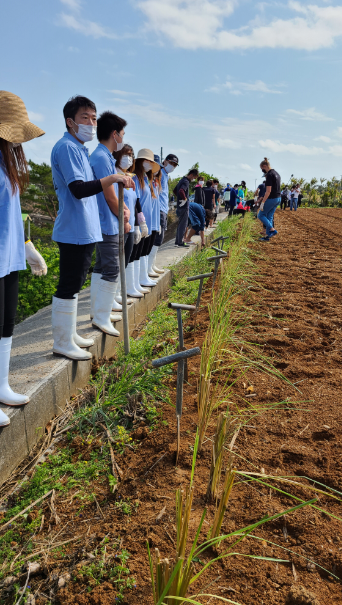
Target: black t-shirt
273	180
183	184
262	190
199	196
208	194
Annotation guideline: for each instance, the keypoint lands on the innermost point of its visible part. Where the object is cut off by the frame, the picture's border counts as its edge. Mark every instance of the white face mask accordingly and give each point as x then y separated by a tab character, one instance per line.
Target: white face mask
119	146
147	166
86	132
126	161
201	183
169	168
215	186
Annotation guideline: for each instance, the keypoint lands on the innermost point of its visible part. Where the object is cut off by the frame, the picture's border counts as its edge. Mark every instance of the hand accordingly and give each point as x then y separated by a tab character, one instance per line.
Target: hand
127	227
127	181
127	214
182	203
137	235
35	260
159	230
144	229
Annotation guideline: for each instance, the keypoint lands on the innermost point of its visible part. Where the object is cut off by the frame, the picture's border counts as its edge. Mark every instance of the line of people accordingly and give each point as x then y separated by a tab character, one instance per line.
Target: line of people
87	191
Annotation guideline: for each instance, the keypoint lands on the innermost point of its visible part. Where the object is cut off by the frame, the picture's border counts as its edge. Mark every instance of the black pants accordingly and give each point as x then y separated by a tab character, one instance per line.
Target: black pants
183	215
136	252
9	288
148	243
231	210
163	226
129	243
283	204
74	263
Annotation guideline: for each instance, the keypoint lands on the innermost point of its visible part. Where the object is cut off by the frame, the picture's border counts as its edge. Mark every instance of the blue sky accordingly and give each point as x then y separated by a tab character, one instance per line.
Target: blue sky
221	82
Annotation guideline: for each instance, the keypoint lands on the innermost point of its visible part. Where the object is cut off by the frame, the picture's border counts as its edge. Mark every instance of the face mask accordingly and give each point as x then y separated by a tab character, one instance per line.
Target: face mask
86	132
263	170
126	161
169	168
147	166
215	186
119	146
201	183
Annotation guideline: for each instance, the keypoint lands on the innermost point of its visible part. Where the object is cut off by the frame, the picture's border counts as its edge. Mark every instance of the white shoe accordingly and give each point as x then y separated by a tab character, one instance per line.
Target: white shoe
129	300
154	267
7	396
64	316
137	284
144	278
95	279
4	420
115	305
131	290
78	340
157	270
103	306
150	262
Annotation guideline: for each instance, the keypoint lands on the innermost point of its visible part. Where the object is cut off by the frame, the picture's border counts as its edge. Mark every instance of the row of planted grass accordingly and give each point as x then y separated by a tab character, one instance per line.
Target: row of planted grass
123	392
226	358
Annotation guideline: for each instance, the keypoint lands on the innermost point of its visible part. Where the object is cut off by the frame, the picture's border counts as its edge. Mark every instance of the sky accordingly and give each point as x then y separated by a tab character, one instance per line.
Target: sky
220	82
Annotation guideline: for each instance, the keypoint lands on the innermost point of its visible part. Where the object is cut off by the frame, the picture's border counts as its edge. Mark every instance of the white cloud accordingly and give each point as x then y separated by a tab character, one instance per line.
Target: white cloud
308	27
258	86
181	151
336	150
236	88
124	93
278	147
73	5
323	138
246	167
35	117
339	131
228	143
310	114
89	28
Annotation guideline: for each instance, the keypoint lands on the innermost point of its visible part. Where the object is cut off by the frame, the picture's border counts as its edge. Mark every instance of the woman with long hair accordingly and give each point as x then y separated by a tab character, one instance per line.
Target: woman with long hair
271	199
156	230
15	129
125	164
144	168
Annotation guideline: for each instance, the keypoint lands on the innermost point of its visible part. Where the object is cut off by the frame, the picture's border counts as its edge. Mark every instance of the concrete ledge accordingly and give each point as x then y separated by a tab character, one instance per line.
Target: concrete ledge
49	380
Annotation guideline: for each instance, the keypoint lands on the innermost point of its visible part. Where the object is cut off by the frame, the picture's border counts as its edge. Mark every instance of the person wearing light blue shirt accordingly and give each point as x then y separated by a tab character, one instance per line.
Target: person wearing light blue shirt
77	227
15	129
170	163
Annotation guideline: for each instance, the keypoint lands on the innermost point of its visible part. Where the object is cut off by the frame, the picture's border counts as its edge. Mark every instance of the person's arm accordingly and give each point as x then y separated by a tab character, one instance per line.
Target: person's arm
113	203
213	202
267	194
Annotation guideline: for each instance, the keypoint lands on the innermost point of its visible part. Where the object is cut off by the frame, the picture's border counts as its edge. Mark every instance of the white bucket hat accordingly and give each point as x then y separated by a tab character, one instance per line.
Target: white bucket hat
147	154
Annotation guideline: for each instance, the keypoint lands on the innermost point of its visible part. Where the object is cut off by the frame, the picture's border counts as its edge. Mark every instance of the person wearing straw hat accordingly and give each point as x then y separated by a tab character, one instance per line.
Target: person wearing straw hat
156	216
145	166
77	226
15	129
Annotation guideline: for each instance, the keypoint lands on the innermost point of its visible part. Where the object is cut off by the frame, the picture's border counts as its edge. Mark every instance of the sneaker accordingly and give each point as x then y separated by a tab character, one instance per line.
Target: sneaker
272	234
264	239
182	245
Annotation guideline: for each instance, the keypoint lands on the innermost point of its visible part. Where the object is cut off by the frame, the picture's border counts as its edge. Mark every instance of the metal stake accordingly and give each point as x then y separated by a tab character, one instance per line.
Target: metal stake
179	308
122	269
181	359
217	259
201	278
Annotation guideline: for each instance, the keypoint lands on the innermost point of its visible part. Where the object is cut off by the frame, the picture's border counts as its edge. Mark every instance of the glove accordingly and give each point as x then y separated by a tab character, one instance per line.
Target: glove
159	230
182	203
144	229
137	235
35	260
141	218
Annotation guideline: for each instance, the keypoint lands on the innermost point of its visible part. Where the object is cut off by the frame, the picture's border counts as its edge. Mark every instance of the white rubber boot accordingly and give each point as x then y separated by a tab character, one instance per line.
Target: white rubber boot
64	316
137	284
115	305
84	343
95	279
144	278
103	305
150	261
154	267
7	396
131	290
4	420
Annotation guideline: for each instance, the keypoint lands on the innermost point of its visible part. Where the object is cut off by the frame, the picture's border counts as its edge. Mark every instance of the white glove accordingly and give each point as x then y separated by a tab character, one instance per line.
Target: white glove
35	259
182	203
159	230
144	229
137	235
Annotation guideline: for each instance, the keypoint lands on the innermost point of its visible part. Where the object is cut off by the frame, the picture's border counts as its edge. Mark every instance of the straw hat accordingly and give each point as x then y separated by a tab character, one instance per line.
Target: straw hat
15	125
147	154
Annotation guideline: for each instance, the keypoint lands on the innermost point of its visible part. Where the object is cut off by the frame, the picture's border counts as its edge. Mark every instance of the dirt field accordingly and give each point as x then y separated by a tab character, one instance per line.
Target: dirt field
297	321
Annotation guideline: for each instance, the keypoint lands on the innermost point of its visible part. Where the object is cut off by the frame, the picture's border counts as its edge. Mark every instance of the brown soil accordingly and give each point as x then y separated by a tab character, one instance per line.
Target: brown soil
297	320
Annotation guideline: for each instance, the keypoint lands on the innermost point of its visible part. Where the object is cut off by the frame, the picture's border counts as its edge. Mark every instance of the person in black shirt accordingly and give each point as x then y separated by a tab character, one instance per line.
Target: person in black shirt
182	191
271	199
209	203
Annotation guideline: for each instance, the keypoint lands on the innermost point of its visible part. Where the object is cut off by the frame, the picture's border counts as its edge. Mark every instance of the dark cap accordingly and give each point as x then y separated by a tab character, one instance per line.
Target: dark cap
157	160
172	158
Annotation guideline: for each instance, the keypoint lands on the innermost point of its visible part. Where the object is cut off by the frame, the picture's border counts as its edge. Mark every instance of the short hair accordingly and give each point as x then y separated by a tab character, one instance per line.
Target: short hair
216	181
243	182
107	123
236	185
200	178
209	183
193	171
71	108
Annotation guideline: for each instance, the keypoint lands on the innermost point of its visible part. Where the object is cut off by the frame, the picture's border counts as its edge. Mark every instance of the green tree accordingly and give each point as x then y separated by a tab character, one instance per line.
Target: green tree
40	195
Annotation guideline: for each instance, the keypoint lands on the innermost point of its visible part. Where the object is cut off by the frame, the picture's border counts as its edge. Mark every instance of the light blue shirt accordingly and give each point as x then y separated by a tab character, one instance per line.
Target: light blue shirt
164	194
77	221
12	241
103	164
145	201
156	210
130	199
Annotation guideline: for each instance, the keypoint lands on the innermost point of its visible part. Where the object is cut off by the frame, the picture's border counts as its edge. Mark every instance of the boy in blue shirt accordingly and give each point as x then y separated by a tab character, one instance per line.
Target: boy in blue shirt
234	199
77	226
104	282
